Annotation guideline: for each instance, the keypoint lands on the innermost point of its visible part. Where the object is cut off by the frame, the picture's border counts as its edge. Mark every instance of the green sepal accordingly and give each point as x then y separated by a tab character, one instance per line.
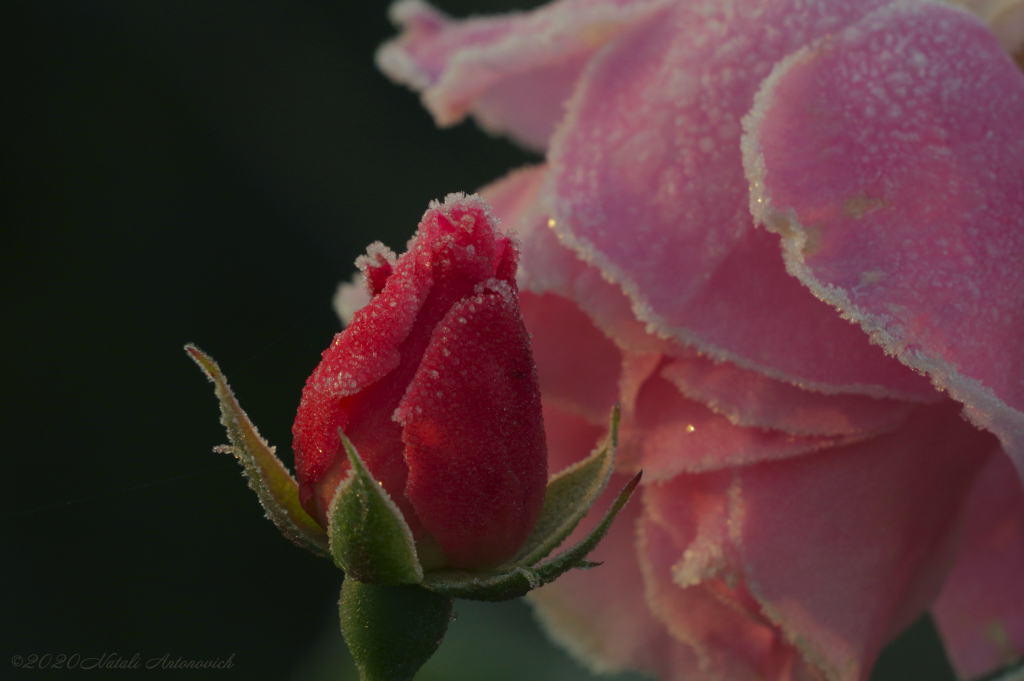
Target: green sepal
568	497
522	580
392	629
274	485
369	538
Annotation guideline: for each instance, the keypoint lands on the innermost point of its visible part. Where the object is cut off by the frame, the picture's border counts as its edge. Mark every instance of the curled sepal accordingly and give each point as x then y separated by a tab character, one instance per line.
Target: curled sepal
274	485
392	629
568	497
521	580
369	538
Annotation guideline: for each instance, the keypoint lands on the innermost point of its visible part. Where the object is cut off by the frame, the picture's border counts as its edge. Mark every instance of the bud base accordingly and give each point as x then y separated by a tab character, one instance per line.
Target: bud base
392	630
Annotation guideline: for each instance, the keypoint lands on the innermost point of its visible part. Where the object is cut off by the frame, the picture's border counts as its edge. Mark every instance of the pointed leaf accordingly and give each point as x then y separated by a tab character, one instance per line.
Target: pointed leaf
522	580
569	496
370	539
274	485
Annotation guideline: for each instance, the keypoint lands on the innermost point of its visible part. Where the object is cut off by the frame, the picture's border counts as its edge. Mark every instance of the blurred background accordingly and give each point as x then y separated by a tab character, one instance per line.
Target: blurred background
181	171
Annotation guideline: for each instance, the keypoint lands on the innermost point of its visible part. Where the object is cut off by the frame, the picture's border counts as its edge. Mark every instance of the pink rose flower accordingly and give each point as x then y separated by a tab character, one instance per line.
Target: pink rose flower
434	384
788	236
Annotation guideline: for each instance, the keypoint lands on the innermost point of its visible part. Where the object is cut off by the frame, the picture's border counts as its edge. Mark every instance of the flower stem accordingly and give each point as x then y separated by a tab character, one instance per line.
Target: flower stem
392	630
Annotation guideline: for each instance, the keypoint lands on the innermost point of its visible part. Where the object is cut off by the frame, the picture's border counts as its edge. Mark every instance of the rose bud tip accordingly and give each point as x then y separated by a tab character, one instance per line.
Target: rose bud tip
434	383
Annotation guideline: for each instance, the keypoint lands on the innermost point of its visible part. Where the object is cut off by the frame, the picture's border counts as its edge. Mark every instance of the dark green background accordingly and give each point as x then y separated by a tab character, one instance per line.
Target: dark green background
180	171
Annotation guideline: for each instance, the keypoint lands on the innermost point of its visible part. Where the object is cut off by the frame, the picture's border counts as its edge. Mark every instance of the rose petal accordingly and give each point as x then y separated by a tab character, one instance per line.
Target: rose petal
744	397
893	169
513	195
577	366
570	437
719	622
664	433
1005	18
374	344
548	266
655	196
846	548
980	612
599	615
456	247
512	72
475	391
838	551
349	298
750	399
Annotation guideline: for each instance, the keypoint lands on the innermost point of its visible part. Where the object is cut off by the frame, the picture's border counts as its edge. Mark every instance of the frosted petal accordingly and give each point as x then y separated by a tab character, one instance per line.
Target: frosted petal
664	433
647	184
349	298
599	615
366	370
355	361
1005	18
980	612
515	194
718	622
512	72
577	366
751	399
893	170
570	438
833	554
474	434
846	548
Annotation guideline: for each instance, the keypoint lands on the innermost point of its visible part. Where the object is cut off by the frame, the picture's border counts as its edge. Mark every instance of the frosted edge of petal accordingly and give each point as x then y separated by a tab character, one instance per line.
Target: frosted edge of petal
982	407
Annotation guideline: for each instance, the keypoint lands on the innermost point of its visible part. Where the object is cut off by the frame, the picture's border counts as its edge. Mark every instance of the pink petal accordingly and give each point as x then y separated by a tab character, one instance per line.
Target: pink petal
599	615
745	398
550	266
980	612
513	195
547	266
578	367
647	184
835	552
512	72
349	298
720	623
846	548
750	399
1005	18
570	437
664	433
893	169
475	396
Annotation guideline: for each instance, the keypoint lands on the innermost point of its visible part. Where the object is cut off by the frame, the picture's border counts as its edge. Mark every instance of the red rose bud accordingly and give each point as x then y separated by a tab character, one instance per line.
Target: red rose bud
434	383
